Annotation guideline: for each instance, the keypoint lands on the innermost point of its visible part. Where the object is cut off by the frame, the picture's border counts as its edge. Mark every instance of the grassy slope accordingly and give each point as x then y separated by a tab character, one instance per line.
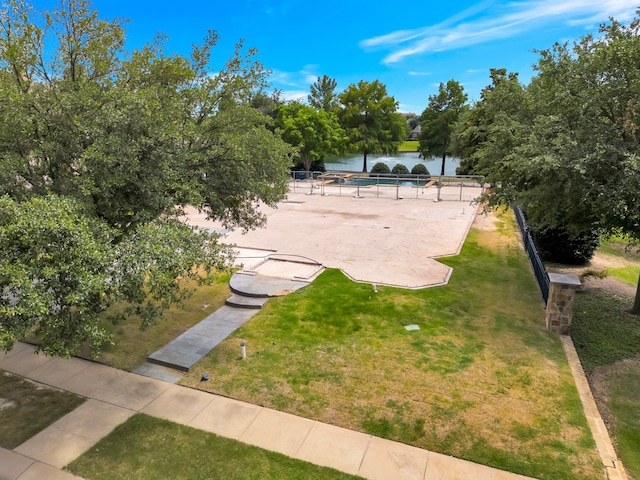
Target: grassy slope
148	448
480	380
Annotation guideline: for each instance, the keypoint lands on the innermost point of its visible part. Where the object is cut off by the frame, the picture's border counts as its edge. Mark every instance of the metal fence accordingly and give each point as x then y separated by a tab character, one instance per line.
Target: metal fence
363	185
536	262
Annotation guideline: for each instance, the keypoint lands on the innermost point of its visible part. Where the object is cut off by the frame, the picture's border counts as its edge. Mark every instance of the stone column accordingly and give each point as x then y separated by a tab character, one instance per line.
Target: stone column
562	295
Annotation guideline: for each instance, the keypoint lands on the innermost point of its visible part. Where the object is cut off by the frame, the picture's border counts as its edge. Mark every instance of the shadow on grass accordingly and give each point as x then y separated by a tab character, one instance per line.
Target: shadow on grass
150	448
28	407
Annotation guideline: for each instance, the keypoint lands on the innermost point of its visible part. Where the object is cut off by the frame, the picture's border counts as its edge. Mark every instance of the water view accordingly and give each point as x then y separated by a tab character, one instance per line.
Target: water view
353	162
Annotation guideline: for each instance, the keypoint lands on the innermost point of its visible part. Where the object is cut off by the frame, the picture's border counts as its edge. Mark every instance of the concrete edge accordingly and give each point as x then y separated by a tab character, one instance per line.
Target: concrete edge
414	287
612	465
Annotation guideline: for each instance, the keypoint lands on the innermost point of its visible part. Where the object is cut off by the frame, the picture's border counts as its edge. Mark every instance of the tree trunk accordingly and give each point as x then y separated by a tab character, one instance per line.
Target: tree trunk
364	166
444	156
636	303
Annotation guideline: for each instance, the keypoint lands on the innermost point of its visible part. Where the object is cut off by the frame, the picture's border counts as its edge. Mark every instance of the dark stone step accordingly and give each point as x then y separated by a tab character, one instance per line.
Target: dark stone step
242	301
259	286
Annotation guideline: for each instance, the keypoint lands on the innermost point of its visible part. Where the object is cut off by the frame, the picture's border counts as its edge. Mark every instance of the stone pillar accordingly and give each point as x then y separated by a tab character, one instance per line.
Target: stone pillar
562	295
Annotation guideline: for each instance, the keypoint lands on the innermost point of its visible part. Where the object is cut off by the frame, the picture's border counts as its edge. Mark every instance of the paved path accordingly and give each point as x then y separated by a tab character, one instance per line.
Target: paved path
250	293
114	395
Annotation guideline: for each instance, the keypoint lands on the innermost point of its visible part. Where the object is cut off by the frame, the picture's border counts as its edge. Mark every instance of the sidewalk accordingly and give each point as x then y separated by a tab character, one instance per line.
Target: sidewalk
115	395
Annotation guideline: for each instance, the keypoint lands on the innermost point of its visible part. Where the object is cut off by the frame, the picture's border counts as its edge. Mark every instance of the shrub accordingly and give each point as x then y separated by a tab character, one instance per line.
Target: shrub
419	169
380	168
591	273
561	245
400	169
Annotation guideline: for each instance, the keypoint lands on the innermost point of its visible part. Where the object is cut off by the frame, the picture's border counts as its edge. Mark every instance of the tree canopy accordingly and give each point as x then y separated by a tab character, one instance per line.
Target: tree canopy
439	120
315	133
370	120
323	96
121	140
566	146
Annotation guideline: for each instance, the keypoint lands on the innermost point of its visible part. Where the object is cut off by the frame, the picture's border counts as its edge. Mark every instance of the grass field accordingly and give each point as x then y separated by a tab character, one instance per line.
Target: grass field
26	408
481	379
148	448
409	146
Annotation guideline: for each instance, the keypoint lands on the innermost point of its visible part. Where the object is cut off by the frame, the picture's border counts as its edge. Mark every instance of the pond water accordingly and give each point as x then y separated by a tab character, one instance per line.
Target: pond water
353	162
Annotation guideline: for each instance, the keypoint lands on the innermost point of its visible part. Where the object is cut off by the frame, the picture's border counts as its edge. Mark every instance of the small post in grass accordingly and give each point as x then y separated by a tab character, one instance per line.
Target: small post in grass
243	350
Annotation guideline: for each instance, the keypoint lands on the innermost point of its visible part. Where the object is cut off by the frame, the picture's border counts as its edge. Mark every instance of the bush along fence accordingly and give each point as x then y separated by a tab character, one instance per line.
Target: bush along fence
536	262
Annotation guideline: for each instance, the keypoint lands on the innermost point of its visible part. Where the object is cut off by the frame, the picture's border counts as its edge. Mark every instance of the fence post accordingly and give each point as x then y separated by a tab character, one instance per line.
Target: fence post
562	295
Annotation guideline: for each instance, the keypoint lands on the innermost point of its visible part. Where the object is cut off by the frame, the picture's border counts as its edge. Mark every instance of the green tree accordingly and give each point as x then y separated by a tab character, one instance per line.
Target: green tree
369	118
503	113
123	140
573	161
323	96
439	120
315	133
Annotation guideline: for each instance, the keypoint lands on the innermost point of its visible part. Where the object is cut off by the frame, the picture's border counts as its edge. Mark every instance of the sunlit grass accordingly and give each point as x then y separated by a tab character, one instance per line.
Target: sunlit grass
481	379
409	146
621	248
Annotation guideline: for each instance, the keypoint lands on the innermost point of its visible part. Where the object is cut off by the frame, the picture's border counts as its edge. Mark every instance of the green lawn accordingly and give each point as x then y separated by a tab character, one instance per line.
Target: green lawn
28	408
409	146
620	248
148	448
481	379
607	339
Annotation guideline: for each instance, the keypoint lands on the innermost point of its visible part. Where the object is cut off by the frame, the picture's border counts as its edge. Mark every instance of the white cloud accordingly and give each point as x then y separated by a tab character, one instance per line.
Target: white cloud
295	95
302	78
489	21
419	74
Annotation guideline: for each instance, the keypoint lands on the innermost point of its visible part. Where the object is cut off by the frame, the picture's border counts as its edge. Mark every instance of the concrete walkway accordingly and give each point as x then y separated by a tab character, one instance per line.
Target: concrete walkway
250	293
114	395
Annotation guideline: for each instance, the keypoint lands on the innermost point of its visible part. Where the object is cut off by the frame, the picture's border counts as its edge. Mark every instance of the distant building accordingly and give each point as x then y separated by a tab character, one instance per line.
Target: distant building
415	133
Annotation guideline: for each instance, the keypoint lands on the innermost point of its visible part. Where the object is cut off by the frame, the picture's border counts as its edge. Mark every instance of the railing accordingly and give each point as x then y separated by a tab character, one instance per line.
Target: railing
363	185
534	257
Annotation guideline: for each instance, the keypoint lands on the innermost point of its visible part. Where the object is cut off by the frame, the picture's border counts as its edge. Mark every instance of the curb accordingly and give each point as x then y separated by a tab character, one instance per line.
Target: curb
613	467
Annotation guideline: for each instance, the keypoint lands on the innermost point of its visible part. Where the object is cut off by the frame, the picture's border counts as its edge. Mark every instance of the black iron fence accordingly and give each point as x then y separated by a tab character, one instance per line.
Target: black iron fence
536	262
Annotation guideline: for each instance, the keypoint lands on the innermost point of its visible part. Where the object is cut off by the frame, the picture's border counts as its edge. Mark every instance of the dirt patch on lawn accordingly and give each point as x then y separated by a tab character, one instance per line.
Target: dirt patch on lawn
492	227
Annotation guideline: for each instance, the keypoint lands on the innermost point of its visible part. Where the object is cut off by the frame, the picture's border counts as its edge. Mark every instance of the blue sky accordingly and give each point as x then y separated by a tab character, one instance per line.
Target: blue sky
409	46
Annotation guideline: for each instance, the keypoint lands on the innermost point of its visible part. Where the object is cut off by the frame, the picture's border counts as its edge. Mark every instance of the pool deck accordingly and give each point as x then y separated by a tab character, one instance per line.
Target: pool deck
373	240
